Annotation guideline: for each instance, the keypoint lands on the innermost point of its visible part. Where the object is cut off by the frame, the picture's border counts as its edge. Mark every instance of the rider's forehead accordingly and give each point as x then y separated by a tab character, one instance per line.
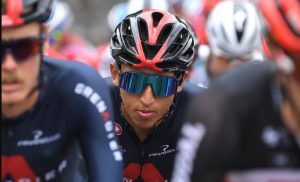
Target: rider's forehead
126	68
28	30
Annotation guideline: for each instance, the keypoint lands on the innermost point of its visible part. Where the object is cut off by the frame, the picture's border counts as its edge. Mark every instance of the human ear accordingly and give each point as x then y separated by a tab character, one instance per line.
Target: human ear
46	43
185	77
114	74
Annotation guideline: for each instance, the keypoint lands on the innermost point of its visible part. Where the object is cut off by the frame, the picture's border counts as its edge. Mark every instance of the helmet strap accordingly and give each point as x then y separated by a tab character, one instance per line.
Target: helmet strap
41	76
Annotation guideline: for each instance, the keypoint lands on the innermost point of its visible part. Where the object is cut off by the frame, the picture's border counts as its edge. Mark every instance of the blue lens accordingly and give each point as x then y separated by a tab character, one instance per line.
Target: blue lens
161	85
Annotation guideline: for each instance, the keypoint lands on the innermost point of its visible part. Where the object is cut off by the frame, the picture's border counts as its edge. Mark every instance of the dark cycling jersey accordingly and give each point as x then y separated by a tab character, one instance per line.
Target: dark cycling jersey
236	127
73	109
151	160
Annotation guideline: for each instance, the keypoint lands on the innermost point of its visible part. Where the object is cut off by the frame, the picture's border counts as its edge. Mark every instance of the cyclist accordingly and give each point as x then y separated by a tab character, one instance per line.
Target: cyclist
153	51
249	126
234	34
51	109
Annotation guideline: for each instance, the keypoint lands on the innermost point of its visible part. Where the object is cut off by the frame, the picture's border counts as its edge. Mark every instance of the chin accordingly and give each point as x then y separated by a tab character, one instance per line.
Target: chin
12	98
147	124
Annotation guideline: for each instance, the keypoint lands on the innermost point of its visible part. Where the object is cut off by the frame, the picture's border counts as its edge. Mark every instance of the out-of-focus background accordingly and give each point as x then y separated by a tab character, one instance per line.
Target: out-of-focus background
90	18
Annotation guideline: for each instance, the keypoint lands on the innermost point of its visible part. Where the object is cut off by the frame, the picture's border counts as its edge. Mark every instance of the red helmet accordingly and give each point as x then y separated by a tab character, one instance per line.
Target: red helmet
154	39
283	21
20	12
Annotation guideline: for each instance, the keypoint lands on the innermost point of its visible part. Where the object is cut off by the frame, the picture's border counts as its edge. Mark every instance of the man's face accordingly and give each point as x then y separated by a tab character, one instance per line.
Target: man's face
18	78
144	111
216	66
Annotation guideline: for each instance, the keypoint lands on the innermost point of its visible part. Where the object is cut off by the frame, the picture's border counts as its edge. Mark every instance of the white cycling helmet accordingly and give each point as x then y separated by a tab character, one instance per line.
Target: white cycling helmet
234	30
61	18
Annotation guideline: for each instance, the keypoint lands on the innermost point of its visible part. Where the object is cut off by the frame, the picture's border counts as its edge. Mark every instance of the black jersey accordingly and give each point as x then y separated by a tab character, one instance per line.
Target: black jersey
73	112
235	128
152	159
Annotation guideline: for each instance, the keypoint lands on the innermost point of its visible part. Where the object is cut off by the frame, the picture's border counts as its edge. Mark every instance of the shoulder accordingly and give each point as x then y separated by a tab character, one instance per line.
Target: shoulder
66	78
192	88
70	69
189	91
185	97
246	87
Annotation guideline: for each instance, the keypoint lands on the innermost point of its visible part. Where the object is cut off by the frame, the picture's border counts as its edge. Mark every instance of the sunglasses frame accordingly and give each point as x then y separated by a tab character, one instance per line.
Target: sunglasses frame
155	92
8	48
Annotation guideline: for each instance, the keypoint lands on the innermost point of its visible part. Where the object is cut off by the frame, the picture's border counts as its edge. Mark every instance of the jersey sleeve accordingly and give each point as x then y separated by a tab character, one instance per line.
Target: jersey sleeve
209	143
92	120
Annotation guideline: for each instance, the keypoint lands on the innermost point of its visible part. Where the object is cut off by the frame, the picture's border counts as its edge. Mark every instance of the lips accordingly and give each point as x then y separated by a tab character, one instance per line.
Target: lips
10	86
145	114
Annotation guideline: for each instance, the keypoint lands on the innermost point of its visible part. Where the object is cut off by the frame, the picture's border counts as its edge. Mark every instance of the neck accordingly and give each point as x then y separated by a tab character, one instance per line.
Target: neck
15	110
141	134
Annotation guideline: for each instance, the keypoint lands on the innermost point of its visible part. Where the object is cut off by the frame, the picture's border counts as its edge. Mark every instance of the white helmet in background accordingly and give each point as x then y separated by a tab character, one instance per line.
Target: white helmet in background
119	11
234	30
136	5
61	18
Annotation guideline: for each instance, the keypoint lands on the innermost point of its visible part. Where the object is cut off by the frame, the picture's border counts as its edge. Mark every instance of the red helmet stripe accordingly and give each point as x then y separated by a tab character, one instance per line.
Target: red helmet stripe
14	10
154	32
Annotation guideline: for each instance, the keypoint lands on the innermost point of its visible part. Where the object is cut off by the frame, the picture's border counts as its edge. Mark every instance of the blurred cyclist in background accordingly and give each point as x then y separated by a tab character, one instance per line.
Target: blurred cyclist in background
234	34
196	12
70	45
51	109
246	126
153	52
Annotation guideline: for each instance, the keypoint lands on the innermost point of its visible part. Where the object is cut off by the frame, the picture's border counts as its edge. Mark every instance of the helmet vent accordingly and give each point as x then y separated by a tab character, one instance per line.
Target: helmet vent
182	36
171	65
126	29
150	50
144	30
156	16
129	59
129	41
239	35
240	21
187	55
115	40
165	32
127	35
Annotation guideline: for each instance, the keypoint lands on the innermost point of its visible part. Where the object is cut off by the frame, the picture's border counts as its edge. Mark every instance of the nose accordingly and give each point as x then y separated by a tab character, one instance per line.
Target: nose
147	97
8	63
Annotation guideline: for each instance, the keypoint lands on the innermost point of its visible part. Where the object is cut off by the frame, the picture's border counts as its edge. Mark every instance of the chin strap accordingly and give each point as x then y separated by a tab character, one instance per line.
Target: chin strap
41	77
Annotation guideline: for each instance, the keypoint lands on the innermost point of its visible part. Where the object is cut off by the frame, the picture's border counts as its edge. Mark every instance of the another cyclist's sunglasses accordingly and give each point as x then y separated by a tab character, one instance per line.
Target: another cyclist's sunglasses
135	83
21	49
